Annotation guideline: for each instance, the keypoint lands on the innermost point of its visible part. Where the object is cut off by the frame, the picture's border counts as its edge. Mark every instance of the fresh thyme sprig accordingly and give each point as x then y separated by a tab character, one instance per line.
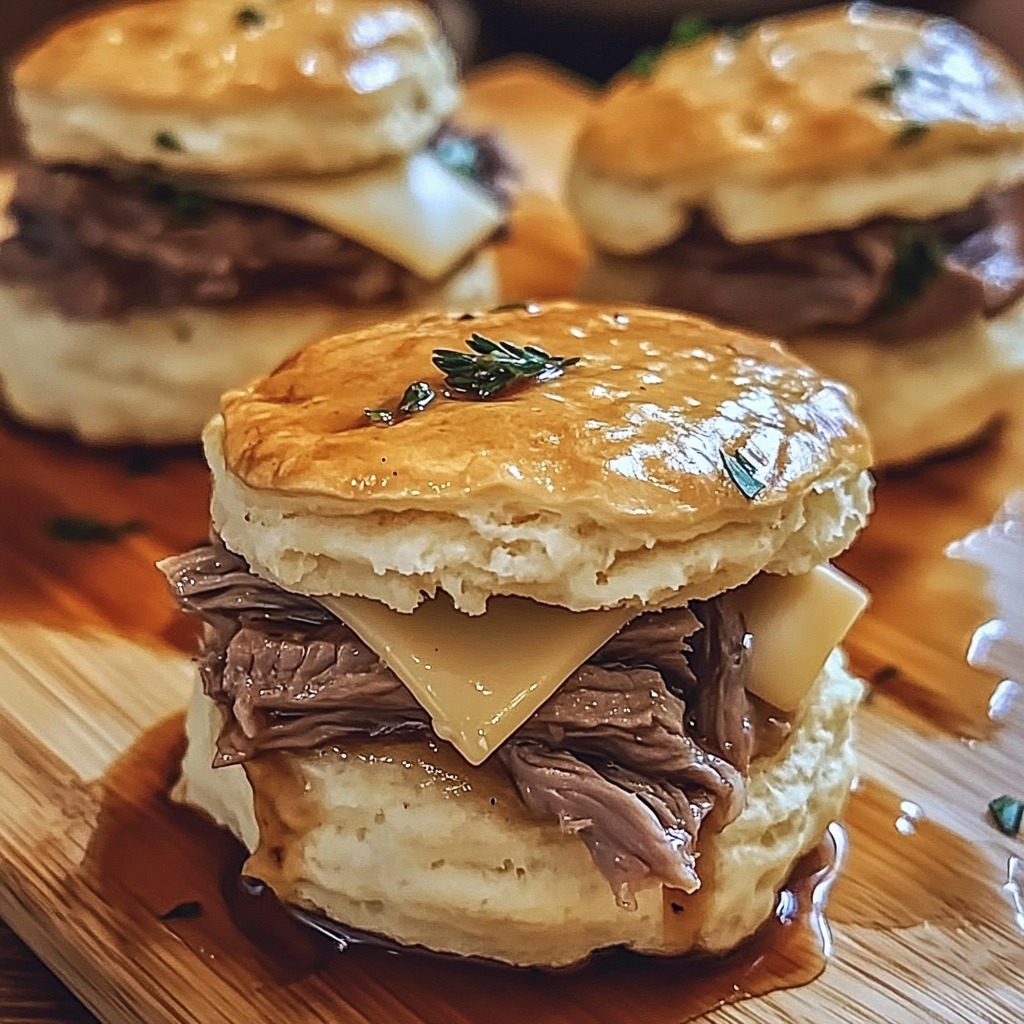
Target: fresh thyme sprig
492	366
489	367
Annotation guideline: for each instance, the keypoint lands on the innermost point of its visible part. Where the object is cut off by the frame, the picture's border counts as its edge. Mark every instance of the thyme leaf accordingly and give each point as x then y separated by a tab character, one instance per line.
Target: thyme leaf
742	472
919	260
486	369
81	529
885	89
168	141
910	133
1008	813
461	155
684	32
143	462
417	397
187	911
687	31
250	17
490	366
188	205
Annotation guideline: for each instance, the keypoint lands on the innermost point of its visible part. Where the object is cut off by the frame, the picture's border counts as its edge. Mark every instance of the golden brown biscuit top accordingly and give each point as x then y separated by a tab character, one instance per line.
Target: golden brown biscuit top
641	426
845	88
219	52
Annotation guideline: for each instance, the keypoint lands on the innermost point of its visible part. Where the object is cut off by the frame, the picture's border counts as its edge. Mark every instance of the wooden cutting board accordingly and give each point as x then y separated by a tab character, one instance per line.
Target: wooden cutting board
94	670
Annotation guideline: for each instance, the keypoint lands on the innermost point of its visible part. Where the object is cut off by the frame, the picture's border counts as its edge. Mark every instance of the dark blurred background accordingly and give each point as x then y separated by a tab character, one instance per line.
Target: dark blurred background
593	37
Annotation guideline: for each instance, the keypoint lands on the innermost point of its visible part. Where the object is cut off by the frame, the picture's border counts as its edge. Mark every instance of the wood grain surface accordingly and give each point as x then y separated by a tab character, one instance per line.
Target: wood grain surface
93	658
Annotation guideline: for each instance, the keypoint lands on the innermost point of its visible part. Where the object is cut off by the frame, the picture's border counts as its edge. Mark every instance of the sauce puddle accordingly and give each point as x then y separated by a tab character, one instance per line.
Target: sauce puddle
904	869
148	851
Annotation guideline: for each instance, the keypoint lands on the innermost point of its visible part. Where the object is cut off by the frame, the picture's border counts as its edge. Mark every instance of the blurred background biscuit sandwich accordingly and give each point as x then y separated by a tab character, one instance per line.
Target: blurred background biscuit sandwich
847	179
211	185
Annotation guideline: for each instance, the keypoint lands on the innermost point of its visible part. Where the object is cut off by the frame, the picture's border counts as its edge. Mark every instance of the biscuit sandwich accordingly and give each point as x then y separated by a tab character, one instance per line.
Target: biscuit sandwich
510	645
847	179
211	185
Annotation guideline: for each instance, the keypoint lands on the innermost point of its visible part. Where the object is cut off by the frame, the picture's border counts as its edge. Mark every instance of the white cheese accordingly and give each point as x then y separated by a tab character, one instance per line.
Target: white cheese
480	677
794	623
413	211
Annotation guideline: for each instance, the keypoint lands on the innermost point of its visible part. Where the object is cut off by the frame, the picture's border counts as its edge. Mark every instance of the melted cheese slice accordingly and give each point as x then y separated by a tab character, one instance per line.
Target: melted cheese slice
413	211
480	677
795	622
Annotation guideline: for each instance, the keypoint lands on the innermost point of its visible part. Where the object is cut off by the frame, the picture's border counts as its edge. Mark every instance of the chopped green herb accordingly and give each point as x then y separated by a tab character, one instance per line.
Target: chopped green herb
687	31
886	674
86	529
417	397
168	141
459	154
183	331
189	206
1008	813
743	473
642	65
880	91
919	261
250	17
143	463
187	911
486	369
910	133
886	88
902	75
739	30
492	366
684	32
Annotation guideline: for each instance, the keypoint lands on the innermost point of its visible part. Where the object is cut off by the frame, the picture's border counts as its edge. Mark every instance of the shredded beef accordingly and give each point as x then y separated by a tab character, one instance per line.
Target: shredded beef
99	243
634	753
791	286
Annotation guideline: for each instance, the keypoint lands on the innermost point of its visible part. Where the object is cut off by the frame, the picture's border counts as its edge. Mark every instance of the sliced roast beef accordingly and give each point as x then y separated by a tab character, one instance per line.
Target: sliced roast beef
905	278
637	749
99	243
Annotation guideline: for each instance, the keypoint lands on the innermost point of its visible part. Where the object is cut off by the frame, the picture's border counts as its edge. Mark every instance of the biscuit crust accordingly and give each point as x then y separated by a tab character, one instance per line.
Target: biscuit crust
604	486
811	121
266	88
404	839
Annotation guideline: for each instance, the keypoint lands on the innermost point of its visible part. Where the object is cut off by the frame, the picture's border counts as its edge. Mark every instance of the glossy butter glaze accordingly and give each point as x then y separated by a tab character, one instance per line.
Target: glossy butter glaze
214	54
637	427
792	97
